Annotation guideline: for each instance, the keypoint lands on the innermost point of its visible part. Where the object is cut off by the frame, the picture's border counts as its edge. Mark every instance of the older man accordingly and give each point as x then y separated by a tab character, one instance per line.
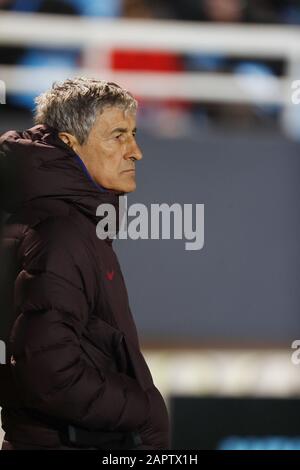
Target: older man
76	377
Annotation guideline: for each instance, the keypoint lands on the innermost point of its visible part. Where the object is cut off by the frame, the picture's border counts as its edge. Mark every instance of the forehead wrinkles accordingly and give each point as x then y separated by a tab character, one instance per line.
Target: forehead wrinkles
114	118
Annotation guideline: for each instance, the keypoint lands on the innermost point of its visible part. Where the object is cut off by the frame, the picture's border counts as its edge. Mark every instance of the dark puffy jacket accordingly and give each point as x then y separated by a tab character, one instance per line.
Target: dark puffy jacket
74	356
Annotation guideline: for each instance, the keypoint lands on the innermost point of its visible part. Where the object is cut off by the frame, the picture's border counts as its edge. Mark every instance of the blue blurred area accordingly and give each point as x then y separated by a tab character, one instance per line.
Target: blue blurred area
104	8
290	14
57	57
27	6
260	443
43	58
254	69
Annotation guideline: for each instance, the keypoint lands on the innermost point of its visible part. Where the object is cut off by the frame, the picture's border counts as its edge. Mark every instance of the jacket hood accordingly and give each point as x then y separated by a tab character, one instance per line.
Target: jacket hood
36	165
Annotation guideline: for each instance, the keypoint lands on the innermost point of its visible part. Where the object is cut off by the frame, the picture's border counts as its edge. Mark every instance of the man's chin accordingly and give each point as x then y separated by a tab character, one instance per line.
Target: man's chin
128	188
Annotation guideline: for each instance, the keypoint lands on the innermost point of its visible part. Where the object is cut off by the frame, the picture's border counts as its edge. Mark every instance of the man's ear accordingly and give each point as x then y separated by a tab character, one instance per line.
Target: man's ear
69	139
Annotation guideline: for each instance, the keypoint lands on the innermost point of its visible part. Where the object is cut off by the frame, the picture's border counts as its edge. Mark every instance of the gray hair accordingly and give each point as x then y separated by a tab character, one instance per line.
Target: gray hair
73	105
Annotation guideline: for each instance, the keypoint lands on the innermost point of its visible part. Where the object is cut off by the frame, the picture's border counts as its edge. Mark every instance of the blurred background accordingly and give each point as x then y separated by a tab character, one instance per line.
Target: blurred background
218	126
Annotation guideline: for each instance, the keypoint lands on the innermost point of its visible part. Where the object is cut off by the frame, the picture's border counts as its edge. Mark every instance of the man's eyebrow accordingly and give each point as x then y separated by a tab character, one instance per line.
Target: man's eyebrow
122	130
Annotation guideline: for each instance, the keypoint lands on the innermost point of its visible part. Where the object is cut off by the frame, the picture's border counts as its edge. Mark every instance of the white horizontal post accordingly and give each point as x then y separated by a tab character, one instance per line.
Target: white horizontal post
68	31
204	87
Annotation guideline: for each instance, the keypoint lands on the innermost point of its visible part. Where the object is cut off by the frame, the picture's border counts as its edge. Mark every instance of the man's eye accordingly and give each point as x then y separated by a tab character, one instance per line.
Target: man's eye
118	136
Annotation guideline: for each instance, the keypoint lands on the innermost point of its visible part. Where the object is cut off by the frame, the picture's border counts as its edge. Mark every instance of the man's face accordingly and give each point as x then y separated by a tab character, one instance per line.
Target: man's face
111	150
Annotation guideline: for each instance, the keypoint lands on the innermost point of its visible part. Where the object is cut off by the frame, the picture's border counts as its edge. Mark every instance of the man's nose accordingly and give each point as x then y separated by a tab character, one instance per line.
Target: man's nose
135	152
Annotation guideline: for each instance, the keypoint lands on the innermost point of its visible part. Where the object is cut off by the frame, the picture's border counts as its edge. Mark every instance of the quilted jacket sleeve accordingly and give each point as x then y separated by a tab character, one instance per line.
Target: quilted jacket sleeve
48	366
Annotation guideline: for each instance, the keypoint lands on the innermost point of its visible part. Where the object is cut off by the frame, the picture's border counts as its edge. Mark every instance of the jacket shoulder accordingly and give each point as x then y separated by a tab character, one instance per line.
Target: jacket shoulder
56	245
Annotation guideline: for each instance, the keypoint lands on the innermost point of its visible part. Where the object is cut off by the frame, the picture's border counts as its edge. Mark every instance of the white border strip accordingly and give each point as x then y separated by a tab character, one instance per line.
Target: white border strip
61	31
204	87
